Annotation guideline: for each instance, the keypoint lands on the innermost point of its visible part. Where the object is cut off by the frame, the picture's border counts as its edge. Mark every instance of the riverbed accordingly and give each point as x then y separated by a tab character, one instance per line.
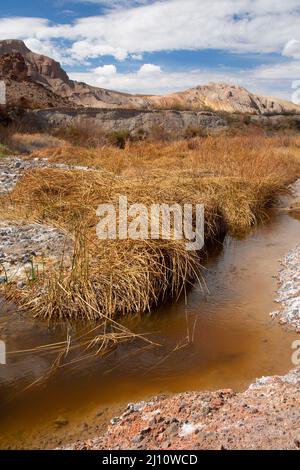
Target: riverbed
221	336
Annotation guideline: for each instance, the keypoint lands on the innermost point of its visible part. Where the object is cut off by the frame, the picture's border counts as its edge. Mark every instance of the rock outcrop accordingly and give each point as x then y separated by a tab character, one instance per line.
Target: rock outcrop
47	73
22	90
131	120
40	69
13	67
184	123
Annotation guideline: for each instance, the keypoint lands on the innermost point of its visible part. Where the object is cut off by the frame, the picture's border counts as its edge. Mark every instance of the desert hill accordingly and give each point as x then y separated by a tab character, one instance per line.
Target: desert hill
37	81
225	97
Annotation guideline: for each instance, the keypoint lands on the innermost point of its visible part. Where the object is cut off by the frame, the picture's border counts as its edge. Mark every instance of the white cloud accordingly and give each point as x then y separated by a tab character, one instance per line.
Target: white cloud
149	69
92	49
239	26
40	28
106	70
141	82
284	71
292	49
102	75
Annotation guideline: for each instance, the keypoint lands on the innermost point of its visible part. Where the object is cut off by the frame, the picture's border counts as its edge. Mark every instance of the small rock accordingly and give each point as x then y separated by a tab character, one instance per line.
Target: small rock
217	403
166	445
152	422
172	429
145	431
21	284
60	422
137	439
160	437
297	441
115	421
160	419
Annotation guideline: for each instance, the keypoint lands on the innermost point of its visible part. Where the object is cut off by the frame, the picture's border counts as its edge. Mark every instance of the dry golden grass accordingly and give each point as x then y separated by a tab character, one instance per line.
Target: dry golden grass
26	143
18	140
245	155
236	177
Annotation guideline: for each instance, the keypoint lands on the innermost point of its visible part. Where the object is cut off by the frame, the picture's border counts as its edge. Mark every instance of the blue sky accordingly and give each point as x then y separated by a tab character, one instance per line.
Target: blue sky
160	46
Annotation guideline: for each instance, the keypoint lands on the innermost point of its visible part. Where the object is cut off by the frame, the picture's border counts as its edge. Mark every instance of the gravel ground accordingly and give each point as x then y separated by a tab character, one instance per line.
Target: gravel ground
289	291
266	416
23	249
12	168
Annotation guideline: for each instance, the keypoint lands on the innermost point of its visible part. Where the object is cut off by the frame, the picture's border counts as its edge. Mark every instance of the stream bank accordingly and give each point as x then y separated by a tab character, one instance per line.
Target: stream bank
264	417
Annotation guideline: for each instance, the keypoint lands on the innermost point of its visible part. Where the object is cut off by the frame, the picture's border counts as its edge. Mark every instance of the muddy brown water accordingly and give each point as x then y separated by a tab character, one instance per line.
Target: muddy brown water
233	340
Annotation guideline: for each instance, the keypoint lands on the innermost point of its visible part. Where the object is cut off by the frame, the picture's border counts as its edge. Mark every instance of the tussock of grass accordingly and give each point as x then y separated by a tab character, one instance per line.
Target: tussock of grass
236	178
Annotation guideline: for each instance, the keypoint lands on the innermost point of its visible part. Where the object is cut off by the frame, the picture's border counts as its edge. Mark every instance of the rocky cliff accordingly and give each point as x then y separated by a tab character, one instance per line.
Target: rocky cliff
183	123
132	120
22	90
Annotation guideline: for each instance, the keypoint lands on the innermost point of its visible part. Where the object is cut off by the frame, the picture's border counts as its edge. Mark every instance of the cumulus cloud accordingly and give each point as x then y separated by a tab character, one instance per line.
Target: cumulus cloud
149	69
292	49
83	49
137	56
106	70
284	71
141	82
241	26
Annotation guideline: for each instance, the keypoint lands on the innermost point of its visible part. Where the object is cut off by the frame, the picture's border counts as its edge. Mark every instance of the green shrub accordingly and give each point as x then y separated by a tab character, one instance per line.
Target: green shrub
119	138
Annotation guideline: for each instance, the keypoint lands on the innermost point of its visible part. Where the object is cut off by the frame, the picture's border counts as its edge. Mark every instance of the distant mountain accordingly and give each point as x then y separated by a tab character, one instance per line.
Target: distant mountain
225	97
37	81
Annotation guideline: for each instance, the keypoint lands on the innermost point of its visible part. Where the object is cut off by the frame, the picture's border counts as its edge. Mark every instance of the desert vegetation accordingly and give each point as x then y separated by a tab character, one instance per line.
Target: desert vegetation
236	176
